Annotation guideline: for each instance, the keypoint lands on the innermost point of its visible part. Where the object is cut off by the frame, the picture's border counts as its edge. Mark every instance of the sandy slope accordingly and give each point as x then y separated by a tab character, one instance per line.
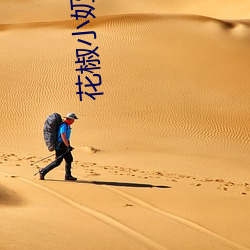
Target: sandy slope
188	104
112	208
172	128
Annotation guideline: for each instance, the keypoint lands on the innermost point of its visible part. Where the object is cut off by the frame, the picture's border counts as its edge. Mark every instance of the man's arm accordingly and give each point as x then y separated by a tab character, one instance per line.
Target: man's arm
66	142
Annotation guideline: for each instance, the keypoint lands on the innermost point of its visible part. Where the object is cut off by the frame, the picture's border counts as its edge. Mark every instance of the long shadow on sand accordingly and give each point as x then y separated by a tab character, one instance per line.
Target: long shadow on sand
122	184
116	184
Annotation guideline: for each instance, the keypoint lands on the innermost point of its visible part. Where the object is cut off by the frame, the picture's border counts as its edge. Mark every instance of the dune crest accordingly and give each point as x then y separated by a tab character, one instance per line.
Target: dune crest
109	20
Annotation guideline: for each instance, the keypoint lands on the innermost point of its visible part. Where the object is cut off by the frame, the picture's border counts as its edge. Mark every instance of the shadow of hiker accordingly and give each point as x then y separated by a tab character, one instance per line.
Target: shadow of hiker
122	184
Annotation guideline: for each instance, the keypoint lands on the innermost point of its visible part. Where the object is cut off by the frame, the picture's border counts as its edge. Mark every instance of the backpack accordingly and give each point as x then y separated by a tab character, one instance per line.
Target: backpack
50	130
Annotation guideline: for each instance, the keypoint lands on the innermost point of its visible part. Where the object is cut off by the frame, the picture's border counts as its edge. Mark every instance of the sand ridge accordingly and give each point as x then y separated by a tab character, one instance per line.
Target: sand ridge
60	10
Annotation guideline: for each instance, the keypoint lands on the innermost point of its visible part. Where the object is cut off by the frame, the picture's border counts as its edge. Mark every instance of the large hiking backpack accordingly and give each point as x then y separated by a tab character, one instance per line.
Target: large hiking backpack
50	130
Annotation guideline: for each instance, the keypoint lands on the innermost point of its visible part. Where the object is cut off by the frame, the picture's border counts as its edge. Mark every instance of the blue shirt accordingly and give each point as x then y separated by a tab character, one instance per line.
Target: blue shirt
64	128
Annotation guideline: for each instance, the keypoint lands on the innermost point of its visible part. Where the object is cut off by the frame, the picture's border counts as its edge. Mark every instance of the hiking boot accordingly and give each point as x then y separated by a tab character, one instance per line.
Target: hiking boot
70	178
41	175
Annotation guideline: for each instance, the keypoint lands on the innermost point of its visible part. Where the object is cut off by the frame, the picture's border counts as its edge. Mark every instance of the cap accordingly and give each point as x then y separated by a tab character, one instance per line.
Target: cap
71	116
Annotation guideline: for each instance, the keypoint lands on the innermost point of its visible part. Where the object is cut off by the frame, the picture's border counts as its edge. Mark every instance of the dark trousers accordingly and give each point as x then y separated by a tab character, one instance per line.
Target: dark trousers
67	156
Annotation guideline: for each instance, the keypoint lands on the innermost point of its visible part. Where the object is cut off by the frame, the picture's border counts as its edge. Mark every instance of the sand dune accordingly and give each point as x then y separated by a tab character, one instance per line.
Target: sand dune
193	111
162	158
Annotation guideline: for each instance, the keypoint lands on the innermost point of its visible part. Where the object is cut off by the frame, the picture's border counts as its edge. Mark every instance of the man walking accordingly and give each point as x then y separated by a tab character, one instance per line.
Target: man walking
63	150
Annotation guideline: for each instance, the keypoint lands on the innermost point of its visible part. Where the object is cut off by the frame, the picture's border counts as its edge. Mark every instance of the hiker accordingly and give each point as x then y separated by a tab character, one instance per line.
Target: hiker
63	149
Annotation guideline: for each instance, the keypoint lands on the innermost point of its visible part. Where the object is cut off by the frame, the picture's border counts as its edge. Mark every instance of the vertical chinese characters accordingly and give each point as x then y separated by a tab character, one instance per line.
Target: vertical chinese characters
87	57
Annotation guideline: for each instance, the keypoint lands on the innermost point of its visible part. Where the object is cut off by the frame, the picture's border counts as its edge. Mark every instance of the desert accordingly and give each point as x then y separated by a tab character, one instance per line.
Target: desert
161	154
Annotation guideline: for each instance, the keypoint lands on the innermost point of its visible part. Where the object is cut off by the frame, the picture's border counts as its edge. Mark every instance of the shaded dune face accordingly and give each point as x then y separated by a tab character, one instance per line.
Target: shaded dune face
9	197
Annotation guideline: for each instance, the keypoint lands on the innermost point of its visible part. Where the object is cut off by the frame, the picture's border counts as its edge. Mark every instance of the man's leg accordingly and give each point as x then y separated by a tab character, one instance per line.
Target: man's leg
68	160
52	165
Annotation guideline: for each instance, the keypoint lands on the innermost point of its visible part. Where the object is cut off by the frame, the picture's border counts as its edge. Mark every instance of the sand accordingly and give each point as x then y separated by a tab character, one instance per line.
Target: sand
162	157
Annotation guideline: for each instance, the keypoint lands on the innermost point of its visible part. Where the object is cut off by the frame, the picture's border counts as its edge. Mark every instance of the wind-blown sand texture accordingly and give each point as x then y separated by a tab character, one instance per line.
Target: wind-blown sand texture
162	158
